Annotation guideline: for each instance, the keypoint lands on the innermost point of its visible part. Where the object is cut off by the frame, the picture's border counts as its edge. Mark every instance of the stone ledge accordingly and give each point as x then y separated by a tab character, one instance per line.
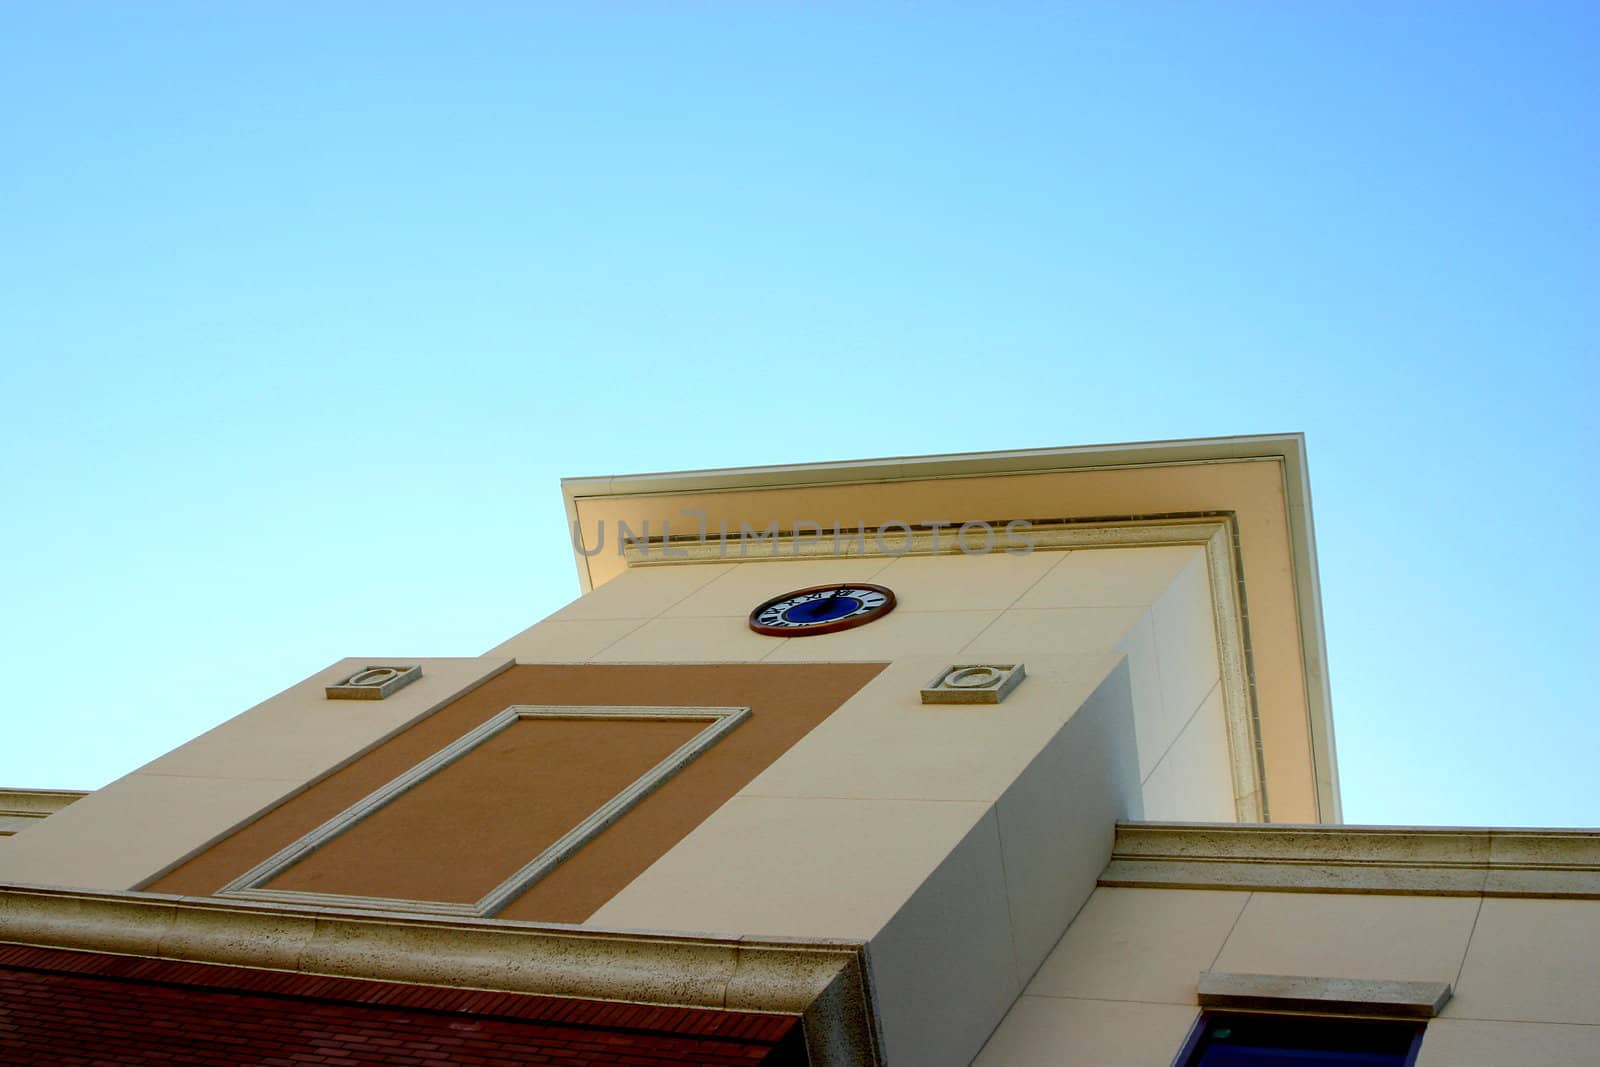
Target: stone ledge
37	803
1334	996
22	809
1358	859
824	982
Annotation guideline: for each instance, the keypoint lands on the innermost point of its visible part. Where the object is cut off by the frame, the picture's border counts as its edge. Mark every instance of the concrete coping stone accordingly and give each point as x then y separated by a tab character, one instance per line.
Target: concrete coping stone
1329	996
1432	861
37	803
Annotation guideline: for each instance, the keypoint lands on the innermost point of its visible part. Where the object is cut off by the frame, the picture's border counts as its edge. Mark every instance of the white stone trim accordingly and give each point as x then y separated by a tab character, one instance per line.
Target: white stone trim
252	884
946	465
974	683
37	803
23	808
923	540
1431	861
359	686
1383	998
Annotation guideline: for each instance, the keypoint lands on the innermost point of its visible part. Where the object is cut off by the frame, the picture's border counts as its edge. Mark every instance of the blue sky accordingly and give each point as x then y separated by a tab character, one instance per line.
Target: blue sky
305	309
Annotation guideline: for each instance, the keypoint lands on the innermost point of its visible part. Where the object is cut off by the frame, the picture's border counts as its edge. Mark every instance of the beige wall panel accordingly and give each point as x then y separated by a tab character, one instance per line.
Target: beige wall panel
1057	819
966	583
1056	1032
1252	489
643	592
1140	944
1155	725
1186	640
960	586
1333	935
1475	1043
1192	783
787	867
725	640
1020	633
900	633
147	821
942	968
300	734
558	641
1111	577
745	585
885	744
1534	961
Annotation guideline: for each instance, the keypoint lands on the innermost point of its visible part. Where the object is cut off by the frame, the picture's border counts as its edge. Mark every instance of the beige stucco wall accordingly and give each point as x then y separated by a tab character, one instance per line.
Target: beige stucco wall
1068	615
1118	990
127	833
1151	604
957	840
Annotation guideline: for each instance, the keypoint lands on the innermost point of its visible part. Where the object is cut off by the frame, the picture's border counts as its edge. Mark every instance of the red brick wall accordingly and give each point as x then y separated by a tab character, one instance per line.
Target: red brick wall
63	1008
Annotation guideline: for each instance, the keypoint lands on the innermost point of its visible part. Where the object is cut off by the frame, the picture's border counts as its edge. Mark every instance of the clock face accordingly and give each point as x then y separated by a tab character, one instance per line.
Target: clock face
821	609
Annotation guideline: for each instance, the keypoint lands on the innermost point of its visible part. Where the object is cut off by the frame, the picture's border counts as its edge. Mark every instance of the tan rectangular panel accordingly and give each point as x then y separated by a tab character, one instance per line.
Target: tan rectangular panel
465	829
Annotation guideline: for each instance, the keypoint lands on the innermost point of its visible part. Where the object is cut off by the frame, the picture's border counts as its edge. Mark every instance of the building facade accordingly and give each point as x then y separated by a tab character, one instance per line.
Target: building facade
1007	759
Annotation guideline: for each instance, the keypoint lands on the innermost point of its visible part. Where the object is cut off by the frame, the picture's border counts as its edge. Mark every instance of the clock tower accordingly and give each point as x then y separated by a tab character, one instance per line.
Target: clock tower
931	761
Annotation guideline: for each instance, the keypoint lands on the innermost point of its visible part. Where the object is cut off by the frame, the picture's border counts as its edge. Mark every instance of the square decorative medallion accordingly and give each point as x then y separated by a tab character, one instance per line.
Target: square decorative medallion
973	683
373	682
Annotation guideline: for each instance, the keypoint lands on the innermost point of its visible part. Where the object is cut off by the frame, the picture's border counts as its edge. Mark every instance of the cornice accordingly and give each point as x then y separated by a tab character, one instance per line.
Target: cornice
20	808
825	982
37	803
1427	861
947	465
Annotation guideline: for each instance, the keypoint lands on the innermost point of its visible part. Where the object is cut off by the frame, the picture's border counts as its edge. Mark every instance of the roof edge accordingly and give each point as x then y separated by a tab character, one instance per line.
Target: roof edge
908	468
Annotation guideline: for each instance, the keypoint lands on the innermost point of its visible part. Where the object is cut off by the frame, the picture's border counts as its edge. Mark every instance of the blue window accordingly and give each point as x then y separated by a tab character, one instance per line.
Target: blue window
1223	1039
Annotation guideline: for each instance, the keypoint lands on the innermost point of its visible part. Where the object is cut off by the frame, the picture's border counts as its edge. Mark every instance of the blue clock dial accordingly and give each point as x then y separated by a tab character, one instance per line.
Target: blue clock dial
824	610
821	609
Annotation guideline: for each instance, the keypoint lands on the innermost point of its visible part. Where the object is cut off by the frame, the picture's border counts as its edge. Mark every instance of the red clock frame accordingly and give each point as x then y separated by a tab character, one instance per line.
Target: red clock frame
832	626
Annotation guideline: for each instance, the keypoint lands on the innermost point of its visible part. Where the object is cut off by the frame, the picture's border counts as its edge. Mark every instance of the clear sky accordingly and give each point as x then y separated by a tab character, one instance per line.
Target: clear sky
305	309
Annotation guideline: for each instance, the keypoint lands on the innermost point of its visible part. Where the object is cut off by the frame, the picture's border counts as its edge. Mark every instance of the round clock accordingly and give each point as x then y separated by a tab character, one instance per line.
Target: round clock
821	609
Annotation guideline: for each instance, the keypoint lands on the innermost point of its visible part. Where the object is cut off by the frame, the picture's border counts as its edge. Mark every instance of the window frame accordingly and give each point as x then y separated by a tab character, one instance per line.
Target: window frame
1194	1043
